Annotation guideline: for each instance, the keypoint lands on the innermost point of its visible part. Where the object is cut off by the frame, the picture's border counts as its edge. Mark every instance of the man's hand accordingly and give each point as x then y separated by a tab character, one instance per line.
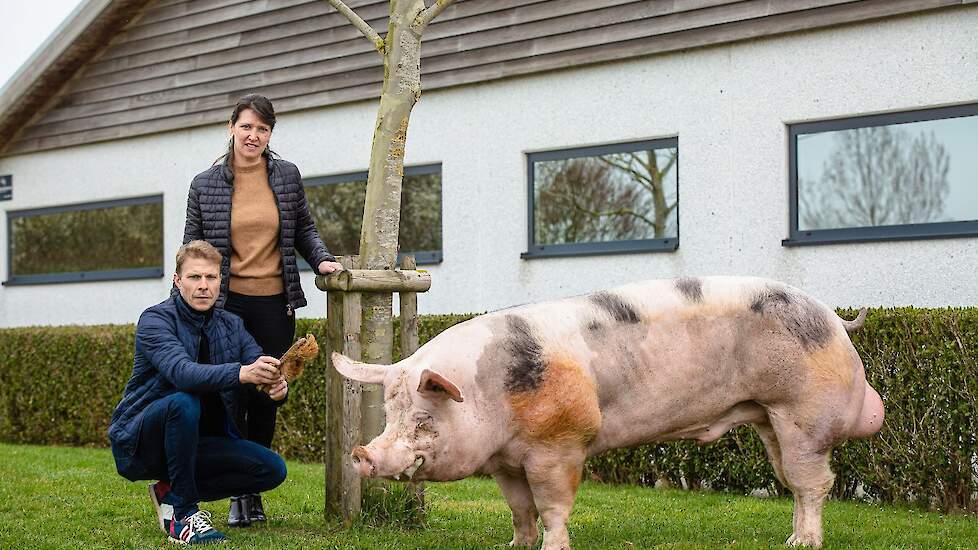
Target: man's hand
326	267
278	391
263	371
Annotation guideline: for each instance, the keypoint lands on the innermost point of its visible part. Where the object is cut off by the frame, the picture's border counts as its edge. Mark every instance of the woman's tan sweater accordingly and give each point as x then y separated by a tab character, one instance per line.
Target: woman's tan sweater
256	261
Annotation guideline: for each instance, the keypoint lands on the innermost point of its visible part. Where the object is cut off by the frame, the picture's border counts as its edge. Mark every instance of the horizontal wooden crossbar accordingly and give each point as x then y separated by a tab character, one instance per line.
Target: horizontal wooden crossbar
375	280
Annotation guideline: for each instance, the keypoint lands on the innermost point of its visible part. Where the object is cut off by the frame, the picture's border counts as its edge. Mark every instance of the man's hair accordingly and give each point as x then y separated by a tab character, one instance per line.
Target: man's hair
197	249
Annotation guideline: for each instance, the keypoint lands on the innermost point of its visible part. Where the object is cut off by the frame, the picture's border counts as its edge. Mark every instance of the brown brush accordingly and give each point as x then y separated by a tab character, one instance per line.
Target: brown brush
304	349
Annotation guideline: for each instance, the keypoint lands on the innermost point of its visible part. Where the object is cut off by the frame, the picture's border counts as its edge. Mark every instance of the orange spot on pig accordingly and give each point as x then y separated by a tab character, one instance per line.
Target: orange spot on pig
563	408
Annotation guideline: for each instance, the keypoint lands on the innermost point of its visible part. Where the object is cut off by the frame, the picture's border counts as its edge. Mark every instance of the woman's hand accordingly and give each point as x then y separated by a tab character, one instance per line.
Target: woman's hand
327	267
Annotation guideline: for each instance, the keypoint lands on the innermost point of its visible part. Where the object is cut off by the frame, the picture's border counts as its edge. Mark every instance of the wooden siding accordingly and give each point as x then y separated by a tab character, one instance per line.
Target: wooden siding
184	63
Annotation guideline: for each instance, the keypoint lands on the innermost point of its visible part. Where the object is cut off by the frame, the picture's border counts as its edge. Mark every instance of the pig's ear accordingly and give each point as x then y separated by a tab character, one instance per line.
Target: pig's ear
434	385
361	372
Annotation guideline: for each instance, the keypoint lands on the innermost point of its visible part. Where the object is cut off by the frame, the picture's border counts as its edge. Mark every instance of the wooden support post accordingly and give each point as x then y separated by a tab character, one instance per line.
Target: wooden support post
376	280
343	485
409	344
355	412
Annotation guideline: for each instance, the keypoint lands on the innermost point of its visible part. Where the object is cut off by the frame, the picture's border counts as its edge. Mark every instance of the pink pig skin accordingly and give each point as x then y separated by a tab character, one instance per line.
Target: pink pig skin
526	394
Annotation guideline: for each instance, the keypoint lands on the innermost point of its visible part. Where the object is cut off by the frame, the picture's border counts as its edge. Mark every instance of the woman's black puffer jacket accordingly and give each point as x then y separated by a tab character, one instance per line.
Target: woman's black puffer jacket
209	219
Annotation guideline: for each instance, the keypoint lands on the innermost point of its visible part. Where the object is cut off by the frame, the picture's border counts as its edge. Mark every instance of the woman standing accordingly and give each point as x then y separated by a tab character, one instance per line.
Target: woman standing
252	207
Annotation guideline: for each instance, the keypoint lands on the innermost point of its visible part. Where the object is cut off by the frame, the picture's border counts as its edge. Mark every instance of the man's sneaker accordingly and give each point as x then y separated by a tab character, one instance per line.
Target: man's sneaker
194	529
164	511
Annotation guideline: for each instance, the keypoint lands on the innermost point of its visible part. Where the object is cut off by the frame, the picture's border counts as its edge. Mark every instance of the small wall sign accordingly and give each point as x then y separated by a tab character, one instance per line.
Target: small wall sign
6	187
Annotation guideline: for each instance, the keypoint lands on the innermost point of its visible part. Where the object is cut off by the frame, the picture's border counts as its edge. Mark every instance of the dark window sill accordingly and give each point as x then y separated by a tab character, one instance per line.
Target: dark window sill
425	257
600	249
911	232
85	276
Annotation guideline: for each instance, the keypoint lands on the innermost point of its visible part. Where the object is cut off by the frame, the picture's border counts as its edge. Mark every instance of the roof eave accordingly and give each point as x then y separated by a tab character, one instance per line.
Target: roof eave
83	33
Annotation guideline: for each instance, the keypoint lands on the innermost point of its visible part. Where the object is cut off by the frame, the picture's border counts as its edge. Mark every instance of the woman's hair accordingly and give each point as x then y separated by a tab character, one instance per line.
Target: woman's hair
201	250
265	111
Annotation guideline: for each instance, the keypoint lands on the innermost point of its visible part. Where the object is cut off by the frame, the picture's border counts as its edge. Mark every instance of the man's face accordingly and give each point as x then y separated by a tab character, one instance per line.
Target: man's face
199	282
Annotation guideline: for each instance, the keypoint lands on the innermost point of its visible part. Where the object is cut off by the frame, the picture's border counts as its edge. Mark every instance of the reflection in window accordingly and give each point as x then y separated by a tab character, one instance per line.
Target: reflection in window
605	194
336	204
888	175
119	235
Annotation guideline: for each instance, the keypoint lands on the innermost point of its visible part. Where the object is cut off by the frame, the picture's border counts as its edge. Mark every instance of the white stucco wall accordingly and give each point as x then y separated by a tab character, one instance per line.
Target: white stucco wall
729	107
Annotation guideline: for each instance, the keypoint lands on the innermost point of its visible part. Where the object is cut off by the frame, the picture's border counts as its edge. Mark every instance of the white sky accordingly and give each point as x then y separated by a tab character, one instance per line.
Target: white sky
25	26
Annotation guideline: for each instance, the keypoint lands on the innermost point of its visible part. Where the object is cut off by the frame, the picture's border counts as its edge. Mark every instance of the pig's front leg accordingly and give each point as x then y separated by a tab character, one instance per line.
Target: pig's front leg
517	493
553	476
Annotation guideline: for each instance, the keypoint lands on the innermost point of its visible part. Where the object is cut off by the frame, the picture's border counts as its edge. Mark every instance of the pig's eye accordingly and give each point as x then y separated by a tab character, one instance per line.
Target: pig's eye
424	424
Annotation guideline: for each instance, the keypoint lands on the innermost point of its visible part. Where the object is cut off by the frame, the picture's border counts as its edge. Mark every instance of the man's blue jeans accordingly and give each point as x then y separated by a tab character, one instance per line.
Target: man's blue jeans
198	468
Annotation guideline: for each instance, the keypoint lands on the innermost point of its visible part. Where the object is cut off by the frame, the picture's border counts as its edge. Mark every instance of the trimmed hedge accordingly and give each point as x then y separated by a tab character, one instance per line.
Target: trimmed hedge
59	385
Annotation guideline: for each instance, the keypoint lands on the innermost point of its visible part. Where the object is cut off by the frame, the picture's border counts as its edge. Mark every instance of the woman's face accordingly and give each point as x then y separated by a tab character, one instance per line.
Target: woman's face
250	135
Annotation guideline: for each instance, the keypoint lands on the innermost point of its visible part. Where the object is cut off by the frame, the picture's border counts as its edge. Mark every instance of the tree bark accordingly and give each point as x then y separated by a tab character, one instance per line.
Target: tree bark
382	208
401	49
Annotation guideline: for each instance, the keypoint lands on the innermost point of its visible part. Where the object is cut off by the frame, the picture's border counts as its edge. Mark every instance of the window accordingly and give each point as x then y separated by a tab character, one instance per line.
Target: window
605	199
336	203
120	239
905	175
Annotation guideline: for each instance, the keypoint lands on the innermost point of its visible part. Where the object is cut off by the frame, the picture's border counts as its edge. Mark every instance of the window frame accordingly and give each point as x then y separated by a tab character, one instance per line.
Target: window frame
82	276
533	250
903	232
421	257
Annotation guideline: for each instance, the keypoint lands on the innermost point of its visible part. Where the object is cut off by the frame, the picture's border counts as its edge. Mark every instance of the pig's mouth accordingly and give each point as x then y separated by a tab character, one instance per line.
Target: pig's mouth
410	470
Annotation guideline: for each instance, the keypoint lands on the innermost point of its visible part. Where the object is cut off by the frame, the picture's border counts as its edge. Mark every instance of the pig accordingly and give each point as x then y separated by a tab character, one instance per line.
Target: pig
526	394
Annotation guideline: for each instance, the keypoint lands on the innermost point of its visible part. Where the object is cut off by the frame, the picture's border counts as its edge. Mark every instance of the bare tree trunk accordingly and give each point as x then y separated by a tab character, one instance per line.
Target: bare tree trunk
401	50
658	195
382	209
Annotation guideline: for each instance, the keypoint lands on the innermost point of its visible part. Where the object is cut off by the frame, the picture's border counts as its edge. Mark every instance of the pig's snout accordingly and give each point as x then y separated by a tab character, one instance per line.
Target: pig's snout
363	461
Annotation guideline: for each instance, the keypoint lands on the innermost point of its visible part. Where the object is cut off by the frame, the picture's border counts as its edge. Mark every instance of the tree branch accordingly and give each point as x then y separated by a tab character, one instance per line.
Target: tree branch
429	13
668	166
638	178
605	213
360	24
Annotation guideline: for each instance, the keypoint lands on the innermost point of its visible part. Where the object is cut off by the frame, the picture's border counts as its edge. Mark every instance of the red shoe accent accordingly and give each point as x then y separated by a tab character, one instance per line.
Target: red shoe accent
161	488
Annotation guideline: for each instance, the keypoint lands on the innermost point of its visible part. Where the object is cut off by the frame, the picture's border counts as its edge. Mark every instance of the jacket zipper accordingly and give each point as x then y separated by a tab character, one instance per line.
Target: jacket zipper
281	224
226	281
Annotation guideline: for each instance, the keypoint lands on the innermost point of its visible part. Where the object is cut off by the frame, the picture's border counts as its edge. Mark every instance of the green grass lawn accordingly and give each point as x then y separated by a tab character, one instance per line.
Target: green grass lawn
55	497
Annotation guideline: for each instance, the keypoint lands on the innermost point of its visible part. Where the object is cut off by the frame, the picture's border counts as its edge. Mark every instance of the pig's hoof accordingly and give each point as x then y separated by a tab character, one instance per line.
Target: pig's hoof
522	543
810	541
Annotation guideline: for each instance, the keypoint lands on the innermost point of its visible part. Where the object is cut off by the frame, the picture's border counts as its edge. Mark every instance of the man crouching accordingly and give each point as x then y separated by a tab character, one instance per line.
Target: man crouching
175	421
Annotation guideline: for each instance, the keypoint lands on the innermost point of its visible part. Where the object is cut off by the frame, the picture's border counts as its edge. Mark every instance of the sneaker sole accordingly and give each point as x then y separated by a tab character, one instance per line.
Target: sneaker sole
182	543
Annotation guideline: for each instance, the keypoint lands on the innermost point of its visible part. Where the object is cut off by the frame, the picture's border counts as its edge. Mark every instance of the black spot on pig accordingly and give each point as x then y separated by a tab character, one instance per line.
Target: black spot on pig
800	315
770	298
525	367
691	288
615	306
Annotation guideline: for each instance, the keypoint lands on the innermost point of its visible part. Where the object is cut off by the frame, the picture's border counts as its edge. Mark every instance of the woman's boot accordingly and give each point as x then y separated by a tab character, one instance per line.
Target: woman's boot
256	512
240	512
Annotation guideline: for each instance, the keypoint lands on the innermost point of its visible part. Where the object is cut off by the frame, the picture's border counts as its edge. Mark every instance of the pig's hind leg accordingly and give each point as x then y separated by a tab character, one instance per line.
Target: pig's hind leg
773	448
554	474
805	469
517	493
